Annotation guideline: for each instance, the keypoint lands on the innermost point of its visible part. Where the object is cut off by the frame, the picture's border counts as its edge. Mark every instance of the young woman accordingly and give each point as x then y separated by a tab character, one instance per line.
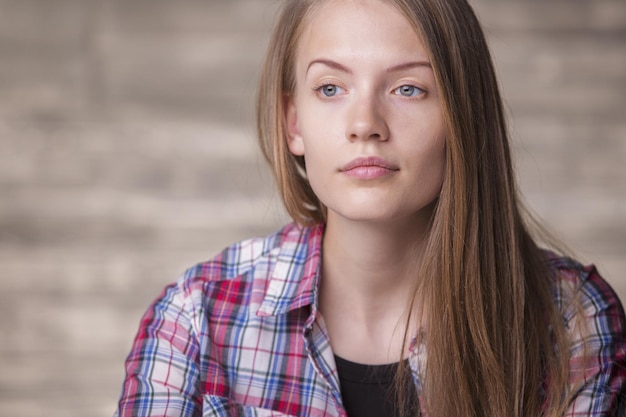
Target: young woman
409	283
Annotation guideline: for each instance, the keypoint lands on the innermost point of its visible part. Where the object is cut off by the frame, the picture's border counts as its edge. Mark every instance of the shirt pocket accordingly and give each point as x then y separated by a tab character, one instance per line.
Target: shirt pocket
216	406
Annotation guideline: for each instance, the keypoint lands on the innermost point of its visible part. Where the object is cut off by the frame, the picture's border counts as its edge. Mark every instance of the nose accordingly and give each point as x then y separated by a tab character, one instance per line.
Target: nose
366	120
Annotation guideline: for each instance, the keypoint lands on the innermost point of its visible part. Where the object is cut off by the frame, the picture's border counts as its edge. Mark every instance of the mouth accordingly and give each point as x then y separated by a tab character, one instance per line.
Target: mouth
369	168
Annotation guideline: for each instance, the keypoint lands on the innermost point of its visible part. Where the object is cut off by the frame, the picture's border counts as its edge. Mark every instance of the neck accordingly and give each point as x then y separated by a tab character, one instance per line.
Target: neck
369	273
372	259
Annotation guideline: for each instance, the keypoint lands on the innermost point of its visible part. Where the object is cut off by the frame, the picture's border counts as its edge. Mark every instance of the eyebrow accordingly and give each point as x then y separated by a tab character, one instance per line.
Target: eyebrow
331	64
395	68
410	65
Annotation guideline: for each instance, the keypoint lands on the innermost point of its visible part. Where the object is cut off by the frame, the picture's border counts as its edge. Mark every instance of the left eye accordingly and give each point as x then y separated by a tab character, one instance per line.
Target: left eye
408	91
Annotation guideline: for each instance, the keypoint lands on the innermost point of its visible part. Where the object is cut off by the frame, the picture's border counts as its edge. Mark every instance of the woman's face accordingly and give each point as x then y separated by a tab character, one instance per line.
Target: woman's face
366	113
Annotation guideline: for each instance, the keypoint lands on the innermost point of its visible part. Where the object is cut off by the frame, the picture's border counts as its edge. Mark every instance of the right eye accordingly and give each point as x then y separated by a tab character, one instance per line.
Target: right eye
330	90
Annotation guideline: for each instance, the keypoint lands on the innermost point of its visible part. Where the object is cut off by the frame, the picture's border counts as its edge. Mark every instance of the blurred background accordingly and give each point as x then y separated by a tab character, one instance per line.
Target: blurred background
127	154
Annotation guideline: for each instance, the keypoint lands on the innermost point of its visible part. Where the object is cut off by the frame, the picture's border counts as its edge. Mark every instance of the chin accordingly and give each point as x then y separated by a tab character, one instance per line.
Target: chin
369	215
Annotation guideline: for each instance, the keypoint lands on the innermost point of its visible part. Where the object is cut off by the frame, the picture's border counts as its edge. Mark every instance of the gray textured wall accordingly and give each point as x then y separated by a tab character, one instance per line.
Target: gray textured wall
127	154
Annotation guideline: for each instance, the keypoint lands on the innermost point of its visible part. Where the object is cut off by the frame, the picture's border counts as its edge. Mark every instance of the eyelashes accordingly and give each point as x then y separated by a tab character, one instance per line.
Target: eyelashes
409	90
330	90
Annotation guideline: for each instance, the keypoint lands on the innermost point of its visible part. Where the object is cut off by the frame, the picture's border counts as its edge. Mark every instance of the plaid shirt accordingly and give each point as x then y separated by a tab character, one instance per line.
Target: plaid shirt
241	335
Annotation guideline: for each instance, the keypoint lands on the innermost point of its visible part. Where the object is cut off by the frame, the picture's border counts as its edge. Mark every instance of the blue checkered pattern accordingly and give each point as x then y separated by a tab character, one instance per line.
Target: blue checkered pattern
240	335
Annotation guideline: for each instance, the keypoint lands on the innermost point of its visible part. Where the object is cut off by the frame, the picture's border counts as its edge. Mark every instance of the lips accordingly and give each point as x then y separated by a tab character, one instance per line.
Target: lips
370	161
368	168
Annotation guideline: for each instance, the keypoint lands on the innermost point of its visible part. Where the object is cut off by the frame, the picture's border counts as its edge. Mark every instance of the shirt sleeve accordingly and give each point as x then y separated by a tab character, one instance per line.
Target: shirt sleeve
598	354
162	371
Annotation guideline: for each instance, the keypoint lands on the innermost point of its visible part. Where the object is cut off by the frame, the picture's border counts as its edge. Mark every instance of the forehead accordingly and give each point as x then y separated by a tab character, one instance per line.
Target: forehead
358	25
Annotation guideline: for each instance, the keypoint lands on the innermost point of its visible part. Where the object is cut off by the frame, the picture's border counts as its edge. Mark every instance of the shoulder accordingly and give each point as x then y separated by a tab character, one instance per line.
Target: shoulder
582	285
594	319
243	268
242	258
591	310
239	280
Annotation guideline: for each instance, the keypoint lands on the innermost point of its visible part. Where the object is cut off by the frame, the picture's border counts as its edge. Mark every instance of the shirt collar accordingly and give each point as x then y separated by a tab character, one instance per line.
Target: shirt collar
294	276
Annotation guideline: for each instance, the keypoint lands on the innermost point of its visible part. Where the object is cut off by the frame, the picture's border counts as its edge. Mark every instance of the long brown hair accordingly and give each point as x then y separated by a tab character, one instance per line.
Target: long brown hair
495	340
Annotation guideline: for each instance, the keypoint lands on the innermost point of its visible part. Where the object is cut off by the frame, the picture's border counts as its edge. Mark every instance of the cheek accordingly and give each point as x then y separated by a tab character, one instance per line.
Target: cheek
316	158
319	137
437	154
426	137
439	163
429	158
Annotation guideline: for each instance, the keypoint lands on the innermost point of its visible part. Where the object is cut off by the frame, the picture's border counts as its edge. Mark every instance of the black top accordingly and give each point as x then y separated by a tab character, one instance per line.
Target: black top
367	390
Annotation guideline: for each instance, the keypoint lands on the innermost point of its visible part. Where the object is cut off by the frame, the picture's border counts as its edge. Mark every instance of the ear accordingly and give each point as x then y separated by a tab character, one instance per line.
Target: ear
294	138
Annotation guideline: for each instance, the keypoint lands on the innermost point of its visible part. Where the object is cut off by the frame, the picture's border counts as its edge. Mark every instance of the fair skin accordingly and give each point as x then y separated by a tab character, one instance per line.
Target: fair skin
366	117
